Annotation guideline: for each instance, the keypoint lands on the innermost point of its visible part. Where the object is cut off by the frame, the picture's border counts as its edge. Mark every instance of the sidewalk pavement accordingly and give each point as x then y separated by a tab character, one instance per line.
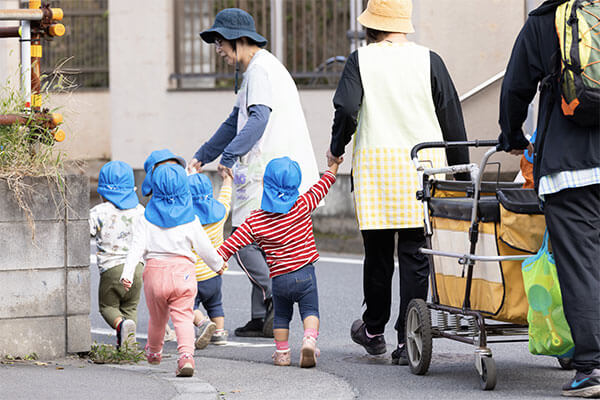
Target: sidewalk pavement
74	378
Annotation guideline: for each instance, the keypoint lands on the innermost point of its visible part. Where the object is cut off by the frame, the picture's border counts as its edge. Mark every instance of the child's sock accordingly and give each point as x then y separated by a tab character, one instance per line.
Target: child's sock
282	346
313	333
219	331
371	336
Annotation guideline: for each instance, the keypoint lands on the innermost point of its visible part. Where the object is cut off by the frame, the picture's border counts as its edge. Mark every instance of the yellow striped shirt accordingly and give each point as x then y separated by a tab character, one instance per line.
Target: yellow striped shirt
215	234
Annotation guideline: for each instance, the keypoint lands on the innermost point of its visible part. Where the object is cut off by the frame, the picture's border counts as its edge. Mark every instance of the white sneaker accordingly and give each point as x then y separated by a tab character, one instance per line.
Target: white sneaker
206	329
169	334
219	338
128	333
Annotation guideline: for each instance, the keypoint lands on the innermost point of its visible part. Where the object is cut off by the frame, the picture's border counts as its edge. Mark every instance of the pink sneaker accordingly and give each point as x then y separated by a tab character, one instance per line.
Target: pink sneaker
153	358
308	352
282	358
185	365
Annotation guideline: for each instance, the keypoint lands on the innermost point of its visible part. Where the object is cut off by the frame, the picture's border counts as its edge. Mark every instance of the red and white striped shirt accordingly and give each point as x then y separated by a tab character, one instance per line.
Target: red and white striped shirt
286	239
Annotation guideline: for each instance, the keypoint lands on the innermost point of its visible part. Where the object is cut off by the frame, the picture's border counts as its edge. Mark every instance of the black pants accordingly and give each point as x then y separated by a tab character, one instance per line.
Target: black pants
573	220
379	270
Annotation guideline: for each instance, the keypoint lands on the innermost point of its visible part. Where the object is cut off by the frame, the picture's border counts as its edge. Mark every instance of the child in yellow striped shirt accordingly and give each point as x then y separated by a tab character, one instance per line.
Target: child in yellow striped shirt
212	214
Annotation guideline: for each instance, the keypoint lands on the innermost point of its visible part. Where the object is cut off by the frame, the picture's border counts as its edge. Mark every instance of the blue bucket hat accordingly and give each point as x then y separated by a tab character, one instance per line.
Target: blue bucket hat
171	202
206	207
233	23
154	158
280	185
116	184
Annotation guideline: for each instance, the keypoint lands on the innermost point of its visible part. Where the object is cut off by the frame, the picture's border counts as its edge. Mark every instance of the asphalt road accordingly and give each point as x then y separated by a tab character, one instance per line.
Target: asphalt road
343	364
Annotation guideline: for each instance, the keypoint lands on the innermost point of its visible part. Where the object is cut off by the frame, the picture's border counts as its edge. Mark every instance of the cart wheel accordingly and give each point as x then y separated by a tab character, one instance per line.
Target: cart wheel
418	336
488	373
566	363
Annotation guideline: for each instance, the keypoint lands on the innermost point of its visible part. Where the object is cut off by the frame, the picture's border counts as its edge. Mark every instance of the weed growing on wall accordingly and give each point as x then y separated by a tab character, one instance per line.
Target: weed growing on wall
27	150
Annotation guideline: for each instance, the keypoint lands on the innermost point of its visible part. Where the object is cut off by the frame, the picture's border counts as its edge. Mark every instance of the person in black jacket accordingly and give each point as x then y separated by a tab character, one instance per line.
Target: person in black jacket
567	179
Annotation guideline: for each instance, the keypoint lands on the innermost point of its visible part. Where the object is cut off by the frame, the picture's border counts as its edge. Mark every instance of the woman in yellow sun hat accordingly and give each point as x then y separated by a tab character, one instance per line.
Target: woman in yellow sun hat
392	95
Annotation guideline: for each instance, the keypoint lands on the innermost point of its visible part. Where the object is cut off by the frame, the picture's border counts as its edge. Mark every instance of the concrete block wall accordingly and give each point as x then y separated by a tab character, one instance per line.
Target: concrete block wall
45	282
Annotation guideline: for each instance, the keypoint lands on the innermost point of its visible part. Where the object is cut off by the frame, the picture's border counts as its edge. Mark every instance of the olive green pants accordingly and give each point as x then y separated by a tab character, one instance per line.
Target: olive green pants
113	300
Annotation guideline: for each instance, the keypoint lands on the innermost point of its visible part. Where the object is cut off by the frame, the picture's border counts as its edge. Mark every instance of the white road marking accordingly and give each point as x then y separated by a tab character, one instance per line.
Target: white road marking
111	332
340	260
228	272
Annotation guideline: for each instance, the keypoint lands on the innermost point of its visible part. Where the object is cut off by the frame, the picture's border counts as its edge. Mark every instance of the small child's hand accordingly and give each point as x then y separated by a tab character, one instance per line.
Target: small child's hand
126	284
223	268
333	160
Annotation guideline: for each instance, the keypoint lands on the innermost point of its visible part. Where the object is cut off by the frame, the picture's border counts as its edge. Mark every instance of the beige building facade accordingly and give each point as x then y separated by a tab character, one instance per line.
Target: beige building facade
142	111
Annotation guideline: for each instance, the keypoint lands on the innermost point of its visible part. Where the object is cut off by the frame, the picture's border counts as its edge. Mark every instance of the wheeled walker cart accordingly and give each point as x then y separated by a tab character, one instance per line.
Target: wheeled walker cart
477	234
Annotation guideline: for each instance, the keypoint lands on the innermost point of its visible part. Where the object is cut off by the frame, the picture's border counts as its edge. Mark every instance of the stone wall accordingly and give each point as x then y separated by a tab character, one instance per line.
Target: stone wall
45	282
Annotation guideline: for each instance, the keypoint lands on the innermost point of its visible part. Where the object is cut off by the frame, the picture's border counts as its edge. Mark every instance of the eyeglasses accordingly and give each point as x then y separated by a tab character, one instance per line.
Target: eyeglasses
218	43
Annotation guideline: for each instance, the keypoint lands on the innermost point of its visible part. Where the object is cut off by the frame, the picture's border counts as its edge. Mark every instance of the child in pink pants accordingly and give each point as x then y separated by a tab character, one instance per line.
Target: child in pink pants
165	238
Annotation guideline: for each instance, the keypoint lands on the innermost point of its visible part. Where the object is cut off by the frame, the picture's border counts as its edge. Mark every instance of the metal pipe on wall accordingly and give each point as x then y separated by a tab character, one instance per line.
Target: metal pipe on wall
24	14
26	62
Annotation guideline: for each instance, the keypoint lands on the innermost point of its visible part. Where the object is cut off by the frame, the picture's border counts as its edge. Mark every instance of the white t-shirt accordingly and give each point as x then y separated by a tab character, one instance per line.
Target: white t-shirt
267	82
152	241
112	229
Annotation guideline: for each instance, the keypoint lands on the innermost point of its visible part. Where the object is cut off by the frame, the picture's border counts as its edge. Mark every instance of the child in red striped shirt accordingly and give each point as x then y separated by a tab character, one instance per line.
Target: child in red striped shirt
283	229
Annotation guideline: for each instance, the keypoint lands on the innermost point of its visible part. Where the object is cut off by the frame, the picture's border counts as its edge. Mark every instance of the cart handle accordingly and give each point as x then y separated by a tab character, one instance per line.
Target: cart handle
447	145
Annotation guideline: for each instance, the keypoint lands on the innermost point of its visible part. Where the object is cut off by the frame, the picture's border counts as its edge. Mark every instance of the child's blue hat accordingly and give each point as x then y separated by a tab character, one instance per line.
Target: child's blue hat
154	158
116	184
206	207
171	202
529	157
280	185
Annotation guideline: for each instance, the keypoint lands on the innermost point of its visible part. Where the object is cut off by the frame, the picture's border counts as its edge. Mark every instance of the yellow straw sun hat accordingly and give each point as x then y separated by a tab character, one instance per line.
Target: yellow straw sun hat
388	16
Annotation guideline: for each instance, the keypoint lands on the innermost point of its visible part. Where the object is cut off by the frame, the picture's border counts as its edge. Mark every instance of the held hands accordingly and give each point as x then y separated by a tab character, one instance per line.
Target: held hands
519	152
126	284
224	171
194	166
331	159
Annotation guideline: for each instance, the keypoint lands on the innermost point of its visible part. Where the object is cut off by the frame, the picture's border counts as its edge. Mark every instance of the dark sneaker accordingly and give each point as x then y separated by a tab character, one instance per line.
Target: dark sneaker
268	322
374	346
254	328
399	356
583	385
118	328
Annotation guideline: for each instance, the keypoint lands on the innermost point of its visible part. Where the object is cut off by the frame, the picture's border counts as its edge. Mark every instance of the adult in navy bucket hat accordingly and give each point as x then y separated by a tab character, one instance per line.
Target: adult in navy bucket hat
157	157
206	207
171	201
116	184
281	181
266	122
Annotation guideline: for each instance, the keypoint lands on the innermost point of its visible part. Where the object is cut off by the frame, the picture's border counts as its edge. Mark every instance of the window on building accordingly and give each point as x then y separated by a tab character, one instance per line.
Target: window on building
314	43
81	55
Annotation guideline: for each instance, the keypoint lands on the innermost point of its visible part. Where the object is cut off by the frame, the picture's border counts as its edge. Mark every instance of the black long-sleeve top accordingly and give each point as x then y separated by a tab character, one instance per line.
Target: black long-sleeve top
560	145
348	99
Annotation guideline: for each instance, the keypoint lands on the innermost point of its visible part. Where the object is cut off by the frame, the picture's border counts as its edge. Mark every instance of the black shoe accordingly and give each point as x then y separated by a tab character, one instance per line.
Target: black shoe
254	328
118	328
374	346
399	356
583	385
268	321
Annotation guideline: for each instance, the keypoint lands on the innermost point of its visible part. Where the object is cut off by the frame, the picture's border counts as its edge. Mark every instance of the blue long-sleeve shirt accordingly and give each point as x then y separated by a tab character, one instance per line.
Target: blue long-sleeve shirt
229	143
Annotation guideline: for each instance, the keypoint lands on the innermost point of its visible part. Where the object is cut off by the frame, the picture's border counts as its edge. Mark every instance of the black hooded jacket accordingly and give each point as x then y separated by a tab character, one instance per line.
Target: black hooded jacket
561	145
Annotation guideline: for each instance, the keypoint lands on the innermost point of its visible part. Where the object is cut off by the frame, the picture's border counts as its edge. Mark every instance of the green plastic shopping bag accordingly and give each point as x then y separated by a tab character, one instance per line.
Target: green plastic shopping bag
549	332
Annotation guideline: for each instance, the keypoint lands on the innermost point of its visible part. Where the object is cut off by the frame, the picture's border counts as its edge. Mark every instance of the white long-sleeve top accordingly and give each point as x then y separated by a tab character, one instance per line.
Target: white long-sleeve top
152	241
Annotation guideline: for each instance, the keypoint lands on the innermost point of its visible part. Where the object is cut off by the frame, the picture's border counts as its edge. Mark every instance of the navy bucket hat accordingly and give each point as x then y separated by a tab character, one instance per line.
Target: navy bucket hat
171	202
233	23
280	185
206	207
154	158
116	184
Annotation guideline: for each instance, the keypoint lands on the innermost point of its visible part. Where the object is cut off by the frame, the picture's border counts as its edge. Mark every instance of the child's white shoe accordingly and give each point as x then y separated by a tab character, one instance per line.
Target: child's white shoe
282	358
308	352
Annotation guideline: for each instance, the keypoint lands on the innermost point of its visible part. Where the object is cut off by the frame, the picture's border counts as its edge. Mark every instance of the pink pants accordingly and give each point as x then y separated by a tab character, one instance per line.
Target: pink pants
170	289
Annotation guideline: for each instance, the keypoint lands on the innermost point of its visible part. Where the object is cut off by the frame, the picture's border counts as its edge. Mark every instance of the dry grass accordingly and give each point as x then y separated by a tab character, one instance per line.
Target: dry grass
28	150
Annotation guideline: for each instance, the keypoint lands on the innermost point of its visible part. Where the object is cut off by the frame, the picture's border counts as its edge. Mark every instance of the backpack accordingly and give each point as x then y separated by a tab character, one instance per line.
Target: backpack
578	29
